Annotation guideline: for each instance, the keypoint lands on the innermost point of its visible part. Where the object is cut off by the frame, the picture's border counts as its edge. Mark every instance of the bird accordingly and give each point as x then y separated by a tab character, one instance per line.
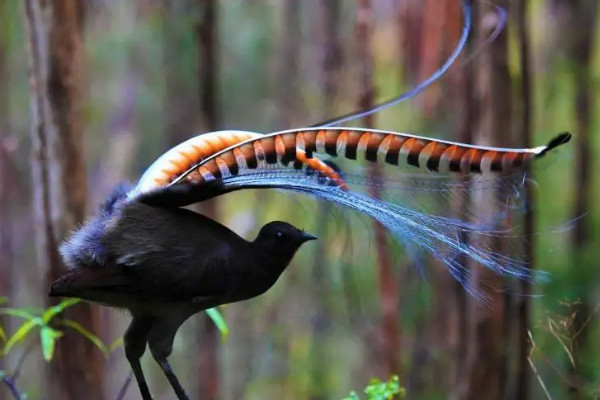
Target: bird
145	253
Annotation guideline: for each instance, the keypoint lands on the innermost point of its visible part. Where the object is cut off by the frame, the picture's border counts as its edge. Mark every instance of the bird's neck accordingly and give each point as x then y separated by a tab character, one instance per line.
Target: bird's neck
275	262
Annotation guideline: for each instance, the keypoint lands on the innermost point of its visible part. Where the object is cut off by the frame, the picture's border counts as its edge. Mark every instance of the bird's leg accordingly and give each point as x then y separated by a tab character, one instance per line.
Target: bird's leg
166	367
135	340
160	341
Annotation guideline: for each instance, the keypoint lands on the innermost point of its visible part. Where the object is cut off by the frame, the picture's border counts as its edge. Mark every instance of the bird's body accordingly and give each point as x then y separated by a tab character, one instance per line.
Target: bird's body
165	265
208	263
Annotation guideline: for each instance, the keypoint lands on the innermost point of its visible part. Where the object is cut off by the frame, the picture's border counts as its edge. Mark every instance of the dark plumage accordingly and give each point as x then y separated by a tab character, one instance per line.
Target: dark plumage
166	264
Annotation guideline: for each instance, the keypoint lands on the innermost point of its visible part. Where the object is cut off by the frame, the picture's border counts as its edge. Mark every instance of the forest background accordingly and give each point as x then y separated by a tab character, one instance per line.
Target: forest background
126	80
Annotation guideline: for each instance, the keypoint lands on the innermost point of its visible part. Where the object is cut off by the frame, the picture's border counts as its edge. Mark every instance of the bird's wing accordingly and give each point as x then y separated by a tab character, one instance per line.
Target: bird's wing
140	276
199	266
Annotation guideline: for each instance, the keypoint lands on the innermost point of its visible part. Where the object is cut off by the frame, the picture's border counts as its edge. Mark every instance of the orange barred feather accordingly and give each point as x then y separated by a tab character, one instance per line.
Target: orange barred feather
185	158
394	148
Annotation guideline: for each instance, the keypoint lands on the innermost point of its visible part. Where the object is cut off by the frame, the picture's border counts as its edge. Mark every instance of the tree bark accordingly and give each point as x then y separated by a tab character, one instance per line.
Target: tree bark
6	189
6	250
330	62
289	65
330	54
487	345
410	20
450	321
207	40
522	374
59	181
181	104
389	352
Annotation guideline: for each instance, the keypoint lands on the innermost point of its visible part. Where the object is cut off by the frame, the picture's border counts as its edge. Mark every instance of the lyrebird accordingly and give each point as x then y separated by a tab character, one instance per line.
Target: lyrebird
163	263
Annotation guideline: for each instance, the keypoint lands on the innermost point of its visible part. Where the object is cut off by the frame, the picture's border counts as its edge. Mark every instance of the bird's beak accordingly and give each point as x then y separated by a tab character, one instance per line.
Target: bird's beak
307	236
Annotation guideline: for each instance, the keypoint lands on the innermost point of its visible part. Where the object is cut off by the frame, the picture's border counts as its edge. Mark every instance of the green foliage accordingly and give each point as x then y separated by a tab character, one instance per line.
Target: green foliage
378	390
87	334
43	319
116	344
48	338
2	333
48	334
219	321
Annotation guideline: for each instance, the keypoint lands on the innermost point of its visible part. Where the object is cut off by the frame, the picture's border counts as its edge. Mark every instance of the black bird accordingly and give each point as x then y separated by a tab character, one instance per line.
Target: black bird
165	265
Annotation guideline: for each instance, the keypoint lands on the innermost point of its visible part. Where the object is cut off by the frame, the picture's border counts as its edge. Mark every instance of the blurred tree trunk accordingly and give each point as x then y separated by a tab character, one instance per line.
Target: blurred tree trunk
449	320
330	54
207	40
289	89
525	140
6	251
410	17
181	103
486	371
578	45
208	46
389	335
59	181
6	188
434	30
330	62
581	49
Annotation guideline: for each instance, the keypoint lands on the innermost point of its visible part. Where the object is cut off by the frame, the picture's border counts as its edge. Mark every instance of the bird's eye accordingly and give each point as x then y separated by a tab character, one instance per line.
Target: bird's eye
279	234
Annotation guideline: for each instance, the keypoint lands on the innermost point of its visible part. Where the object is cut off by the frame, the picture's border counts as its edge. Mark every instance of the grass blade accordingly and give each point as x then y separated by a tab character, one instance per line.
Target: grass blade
219	321
21	333
87	334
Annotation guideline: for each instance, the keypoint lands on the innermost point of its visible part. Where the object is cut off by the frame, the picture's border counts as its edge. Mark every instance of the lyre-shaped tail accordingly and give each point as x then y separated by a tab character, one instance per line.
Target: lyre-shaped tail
297	146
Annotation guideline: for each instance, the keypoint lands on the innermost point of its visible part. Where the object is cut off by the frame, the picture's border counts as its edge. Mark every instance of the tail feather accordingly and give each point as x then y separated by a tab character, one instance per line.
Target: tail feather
393	147
558	140
75	283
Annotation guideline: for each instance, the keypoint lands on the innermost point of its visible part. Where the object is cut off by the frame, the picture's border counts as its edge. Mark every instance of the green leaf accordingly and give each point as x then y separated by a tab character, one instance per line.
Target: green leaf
378	390
17	312
21	333
352	396
3	299
116	344
219	321
2	334
48	338
57	309
87	334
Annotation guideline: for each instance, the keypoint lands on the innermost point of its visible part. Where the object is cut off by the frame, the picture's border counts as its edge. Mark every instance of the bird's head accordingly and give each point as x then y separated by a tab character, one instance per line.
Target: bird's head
279	241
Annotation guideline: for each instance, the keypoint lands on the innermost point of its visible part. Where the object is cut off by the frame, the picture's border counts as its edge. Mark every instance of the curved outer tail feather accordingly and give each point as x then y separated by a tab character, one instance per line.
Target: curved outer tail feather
178	160
297	146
